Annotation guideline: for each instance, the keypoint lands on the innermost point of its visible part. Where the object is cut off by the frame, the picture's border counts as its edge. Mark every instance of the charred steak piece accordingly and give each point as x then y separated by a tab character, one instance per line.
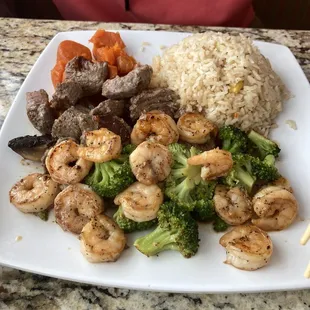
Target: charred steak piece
116	125
39	111
73	122
91	102
31	147
109	107
163	99
90	76
128	85
66	95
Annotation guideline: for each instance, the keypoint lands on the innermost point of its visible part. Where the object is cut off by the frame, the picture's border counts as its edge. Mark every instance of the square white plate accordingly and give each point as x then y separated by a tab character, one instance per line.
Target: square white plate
46	249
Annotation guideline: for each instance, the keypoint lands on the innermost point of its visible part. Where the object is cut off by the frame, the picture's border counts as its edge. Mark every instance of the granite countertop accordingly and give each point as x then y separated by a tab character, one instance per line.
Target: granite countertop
21	42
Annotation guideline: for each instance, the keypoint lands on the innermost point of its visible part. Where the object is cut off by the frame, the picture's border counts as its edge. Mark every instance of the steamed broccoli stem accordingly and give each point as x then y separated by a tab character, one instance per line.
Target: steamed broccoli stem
157	241
180	192
238	176
128	225
265	146
43	215
247	169
183	177
270	160
110	168
176	230
219	225
244	177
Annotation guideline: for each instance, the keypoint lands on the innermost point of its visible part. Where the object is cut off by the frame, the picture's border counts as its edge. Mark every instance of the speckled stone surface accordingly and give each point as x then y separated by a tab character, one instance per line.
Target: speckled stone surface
21	42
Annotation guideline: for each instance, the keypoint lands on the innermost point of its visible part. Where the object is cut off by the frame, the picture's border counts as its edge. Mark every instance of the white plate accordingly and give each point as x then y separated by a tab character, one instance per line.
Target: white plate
46	249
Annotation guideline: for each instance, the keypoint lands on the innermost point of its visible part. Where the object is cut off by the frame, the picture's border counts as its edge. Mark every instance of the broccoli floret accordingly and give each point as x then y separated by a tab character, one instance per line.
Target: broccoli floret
241	174
233	139
109	178
128	225
264	146
204	205
265	170
128	149
204	210
176	230
183	177
248	169
219	225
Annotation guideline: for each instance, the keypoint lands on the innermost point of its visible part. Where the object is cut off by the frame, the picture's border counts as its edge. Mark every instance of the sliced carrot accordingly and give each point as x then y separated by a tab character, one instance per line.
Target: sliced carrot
57	73
118	51
125	64
112	72
104	54
106	38
69	49
109	47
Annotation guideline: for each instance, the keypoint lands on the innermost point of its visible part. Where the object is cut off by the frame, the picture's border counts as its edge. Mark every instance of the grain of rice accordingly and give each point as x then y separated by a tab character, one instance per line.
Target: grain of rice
292	124
203	67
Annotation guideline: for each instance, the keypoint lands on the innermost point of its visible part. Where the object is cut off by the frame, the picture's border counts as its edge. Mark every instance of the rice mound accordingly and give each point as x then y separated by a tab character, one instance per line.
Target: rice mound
204	68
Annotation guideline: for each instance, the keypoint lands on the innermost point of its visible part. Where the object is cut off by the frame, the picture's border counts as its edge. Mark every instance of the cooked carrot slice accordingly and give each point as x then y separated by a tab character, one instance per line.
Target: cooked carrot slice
112	71
69	49
106	38
104	54
125	64
57	73
118	51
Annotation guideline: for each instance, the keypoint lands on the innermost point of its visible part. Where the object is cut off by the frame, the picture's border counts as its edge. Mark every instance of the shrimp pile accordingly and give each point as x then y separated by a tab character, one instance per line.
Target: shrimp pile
78	209
203	173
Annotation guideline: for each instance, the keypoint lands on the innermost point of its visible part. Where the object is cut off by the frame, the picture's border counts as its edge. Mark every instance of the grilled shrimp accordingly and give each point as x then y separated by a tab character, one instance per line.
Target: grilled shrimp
195	128
140	202
150	162
283	183
155	126
102	240
101	145
34	193
276	208
64	165
232	205
247	247
215	163
75	205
